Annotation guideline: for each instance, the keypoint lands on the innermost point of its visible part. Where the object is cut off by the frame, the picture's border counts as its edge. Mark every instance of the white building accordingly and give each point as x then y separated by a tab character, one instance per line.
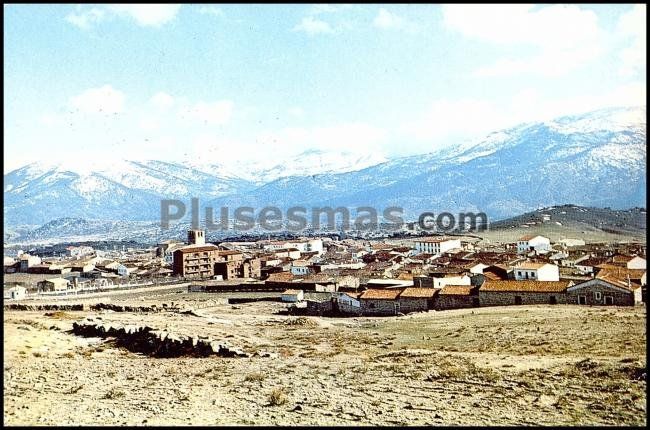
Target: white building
292	296
79	251
17	293
436	245
533	242
537	272
636	263
309	245
300	267
450	279
27	261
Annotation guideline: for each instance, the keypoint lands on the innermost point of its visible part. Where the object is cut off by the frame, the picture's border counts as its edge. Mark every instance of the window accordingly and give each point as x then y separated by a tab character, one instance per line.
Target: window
532	274
517	300
609	300
597	295
553	300
582	300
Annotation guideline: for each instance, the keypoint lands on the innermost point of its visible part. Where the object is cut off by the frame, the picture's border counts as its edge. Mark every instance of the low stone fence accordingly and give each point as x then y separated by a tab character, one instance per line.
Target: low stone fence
146	340
24	307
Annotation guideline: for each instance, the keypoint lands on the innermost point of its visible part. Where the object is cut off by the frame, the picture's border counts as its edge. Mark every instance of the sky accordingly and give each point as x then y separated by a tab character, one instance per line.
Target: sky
220	84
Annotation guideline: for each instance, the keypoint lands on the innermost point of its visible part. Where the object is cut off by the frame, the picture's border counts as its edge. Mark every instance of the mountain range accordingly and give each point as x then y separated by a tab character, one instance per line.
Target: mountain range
595	159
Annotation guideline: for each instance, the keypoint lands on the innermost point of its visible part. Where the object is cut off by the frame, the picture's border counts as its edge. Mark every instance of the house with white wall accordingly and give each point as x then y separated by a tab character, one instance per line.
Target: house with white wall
533	242
537	272
435	245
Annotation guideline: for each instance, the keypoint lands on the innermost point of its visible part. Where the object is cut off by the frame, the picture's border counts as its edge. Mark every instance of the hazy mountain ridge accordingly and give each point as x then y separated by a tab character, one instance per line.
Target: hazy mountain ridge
595	159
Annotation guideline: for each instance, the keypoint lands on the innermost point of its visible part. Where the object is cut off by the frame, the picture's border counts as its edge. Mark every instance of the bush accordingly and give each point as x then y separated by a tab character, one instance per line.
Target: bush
277	397
255	376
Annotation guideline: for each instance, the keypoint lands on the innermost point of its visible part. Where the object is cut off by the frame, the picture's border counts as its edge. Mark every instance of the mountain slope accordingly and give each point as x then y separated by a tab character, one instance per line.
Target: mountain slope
597	160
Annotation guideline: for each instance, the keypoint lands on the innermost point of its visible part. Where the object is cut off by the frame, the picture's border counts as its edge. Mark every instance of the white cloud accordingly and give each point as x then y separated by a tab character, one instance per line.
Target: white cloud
86	18
148	14
340	137
210	10
218	113
149	123
453	121
144	15
562	37
313	26
385	20
633	25
105	100
162	100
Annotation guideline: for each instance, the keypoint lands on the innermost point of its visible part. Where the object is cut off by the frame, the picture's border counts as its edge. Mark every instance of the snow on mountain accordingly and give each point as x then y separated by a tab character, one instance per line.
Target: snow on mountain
594	159
509	172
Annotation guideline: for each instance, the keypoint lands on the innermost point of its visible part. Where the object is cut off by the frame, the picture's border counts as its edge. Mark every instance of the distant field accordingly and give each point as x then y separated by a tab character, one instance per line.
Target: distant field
572	222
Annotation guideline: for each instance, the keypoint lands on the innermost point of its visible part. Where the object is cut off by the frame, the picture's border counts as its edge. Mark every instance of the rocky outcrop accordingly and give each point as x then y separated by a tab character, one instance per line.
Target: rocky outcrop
146	340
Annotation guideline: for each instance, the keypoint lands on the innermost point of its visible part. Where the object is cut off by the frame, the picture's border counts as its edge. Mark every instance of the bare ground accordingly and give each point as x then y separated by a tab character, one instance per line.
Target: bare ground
523	365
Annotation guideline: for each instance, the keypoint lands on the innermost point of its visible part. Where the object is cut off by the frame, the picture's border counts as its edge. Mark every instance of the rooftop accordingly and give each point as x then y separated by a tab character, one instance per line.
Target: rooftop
413	292
525	286
387	294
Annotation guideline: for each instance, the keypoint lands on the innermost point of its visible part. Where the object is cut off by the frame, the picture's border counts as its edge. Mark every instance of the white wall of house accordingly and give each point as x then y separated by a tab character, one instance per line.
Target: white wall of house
436	247
299	270
539	243
293	297
548	272
636	263
452	280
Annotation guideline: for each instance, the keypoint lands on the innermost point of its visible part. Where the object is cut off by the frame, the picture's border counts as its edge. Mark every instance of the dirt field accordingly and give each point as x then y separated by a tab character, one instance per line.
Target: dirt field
513	365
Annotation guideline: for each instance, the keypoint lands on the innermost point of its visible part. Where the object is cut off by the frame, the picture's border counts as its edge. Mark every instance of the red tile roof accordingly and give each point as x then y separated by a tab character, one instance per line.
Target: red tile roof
526	286
456	290
384	294
412	292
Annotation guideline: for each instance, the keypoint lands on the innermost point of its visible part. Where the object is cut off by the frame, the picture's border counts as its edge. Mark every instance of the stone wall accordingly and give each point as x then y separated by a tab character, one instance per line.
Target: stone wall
143	339
620	298
413	304
378	307
450	301
507	298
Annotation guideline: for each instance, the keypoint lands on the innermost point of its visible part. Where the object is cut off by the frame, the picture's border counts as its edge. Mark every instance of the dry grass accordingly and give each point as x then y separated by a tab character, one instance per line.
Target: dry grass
255	376
114	394
277	397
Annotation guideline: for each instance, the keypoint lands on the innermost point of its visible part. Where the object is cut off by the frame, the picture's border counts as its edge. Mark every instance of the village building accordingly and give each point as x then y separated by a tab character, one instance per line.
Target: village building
54	284
503	293
607	291
347	303
436	245
416	299
537	272
27	261
292	296
17	293
380	301
457	297
531	242
196	261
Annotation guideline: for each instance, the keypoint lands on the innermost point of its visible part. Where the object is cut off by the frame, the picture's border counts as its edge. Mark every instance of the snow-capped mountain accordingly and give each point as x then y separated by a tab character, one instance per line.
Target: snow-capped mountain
306	163
127	190
596	159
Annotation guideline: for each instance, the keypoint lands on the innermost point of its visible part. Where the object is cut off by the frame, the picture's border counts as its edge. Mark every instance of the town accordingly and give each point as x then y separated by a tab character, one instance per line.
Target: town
327	277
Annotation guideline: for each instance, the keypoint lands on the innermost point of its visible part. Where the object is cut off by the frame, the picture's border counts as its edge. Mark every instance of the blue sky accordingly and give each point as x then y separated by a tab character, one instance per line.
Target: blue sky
246	82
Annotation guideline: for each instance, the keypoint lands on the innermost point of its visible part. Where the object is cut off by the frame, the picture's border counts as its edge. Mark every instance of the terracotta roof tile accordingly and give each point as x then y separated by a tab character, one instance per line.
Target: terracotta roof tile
526	286
412	292
384	294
